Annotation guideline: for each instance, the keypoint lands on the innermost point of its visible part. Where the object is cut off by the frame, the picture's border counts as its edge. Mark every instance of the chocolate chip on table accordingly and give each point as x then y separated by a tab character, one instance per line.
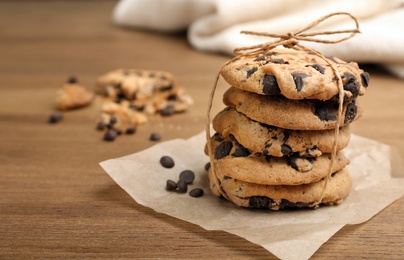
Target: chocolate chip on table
167	162
223	149
110	135
298	79
72	79
101	126
188	176
131	130
171	185
155	137
55	118
167	111
270	85
182	186
325	114
196	193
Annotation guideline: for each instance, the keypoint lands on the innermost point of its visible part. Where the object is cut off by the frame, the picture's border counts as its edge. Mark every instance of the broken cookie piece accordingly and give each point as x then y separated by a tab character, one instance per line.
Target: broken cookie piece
72	95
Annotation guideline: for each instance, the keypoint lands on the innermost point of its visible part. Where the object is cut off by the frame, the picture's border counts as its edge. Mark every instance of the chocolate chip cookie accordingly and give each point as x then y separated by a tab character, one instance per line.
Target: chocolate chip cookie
235	161
296	75
275	141
291	114
275	197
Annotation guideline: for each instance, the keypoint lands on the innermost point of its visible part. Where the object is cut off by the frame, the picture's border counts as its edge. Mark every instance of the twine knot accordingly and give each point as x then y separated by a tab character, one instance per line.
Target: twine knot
292	40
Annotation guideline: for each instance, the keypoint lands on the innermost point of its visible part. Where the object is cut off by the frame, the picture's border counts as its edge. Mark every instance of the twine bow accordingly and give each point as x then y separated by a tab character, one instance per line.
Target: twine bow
292	41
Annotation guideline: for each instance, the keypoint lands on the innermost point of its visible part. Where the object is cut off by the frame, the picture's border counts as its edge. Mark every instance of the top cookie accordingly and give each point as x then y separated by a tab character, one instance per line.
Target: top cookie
295	75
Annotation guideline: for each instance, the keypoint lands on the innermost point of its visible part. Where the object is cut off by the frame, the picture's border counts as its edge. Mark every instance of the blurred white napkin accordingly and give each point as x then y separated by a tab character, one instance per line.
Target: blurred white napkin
215	25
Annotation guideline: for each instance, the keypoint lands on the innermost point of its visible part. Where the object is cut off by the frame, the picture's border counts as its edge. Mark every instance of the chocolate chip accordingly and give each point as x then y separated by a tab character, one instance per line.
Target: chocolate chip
167	111
317	67
365	79
101	126
287	204
131	130
72	79
259	202
207	166
55	118
292	161
223	149
250	72
155	137
298	78
351	84
270	85
226	178
112	120
277	61
196	193
188	176
286	150
325	114
350	113
171	185
182	186
241	151
167	162
260	58
110	135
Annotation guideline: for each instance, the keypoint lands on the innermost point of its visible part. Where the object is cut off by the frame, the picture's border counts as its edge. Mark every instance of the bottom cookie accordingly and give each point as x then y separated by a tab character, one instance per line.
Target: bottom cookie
275	197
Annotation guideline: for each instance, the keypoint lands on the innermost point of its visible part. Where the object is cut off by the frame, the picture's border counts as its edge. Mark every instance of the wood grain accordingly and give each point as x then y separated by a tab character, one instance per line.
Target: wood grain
55	200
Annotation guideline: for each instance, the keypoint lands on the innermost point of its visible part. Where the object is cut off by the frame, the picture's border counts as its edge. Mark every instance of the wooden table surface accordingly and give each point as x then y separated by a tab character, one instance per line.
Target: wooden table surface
56	201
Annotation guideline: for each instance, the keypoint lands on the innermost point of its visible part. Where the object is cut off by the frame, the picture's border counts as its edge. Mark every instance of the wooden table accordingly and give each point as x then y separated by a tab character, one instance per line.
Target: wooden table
56	201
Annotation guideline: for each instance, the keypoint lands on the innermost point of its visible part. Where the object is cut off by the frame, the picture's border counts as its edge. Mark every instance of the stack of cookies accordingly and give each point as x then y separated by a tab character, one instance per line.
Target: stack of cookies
274	140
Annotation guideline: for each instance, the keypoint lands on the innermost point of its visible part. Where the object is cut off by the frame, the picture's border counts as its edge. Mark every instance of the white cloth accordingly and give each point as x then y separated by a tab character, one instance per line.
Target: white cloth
215	25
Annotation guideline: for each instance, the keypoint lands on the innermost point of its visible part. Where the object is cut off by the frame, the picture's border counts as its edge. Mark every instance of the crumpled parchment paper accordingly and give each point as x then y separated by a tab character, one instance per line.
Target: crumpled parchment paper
286	234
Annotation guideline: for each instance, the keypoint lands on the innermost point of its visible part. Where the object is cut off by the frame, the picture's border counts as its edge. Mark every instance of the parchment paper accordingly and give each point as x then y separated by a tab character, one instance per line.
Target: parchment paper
286	234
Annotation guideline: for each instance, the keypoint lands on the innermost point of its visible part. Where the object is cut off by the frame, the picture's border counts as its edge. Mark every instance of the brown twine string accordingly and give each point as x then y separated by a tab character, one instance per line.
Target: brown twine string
291	41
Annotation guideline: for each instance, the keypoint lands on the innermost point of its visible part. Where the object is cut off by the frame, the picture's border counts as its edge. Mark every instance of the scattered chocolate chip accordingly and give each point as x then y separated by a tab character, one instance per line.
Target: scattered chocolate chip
250	72
136	107
101	126
259	202
188	176
55	118
223	149
171	185
131	130
155	137
241	151
72	79
110	135
350	83
298	78
196	193
286	149
325	114
167	111
182	186
167	162
207	166
317	67
365	79
112	120
350	113
270	85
